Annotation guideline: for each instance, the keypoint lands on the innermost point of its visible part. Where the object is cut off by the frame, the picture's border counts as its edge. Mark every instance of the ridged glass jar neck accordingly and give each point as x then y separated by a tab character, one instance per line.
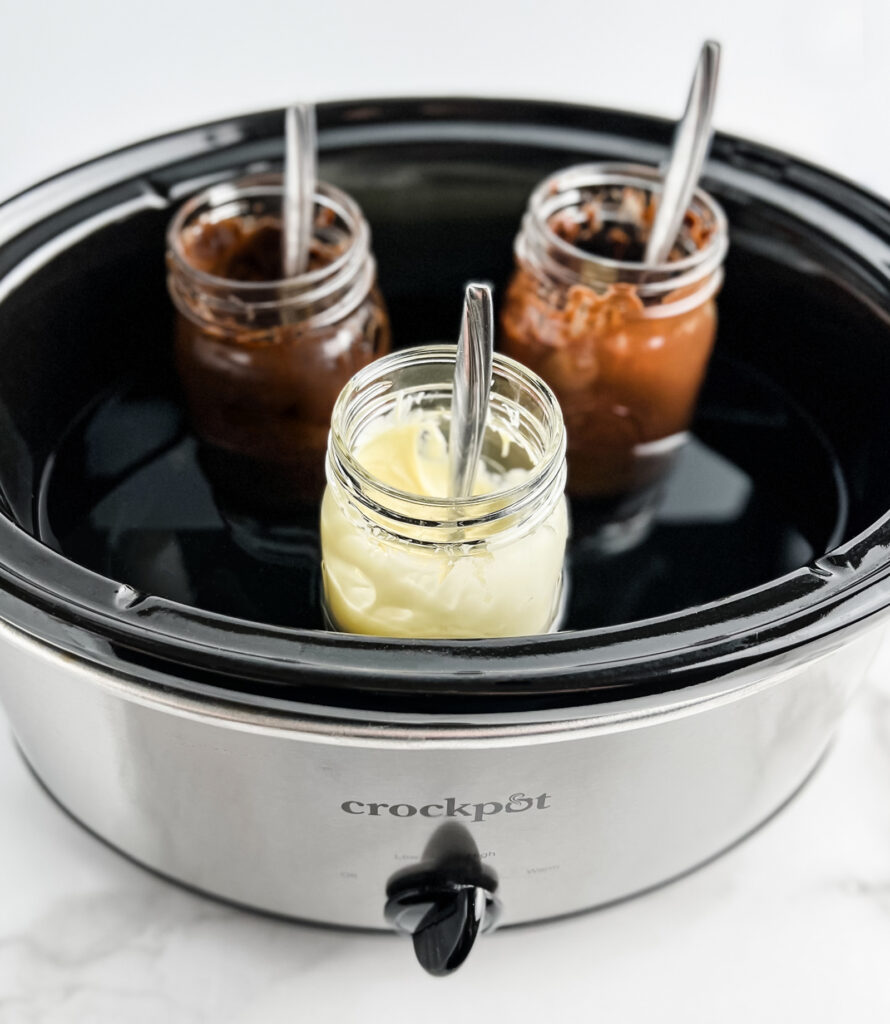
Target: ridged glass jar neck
321	297
523	414
623	197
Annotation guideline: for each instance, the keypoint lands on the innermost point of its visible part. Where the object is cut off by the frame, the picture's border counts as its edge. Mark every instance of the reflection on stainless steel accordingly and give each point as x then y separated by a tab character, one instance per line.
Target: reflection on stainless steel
470	391
243	806
300	174
691	141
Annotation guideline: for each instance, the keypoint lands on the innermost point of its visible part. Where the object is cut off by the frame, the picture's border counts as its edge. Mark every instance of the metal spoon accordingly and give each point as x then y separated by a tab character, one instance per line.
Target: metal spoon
691	140
300	170
471	388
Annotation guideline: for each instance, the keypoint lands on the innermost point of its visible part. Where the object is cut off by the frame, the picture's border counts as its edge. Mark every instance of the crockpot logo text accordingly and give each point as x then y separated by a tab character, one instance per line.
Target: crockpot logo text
450	808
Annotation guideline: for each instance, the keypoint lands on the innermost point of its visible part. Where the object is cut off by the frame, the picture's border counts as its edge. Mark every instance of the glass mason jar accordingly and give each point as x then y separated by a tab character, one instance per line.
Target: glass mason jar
262	358
405	564
624	345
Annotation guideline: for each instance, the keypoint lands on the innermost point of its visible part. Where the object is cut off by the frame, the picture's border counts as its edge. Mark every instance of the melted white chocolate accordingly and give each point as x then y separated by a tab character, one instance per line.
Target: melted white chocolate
379	583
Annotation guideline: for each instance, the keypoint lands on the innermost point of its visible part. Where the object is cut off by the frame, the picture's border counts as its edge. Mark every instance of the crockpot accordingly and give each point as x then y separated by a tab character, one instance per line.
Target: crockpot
174	689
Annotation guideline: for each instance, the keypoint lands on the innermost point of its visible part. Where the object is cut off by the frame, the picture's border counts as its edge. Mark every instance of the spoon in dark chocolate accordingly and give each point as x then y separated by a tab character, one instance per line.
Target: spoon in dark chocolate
300	172
691	140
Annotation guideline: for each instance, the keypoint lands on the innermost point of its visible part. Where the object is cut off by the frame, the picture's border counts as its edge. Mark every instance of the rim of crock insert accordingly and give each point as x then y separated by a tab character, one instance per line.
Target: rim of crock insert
103	621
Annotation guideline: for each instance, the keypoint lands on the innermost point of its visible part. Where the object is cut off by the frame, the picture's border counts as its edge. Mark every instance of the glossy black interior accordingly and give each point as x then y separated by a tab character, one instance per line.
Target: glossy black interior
791	458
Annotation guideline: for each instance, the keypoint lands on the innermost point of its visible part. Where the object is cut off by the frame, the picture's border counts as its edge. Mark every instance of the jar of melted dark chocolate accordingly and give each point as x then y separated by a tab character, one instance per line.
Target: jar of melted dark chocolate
623	345
261	357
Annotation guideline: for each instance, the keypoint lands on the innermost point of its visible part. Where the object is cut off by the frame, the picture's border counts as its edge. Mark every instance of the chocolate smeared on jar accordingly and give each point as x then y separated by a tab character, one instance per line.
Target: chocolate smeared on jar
262	356
623	344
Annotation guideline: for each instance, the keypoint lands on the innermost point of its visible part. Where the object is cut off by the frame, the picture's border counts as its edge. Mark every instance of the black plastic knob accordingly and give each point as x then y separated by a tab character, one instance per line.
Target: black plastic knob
445	901
444	918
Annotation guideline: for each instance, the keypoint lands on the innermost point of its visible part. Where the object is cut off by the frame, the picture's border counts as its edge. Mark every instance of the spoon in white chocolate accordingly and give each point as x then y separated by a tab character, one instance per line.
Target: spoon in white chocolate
691	140
471	389
300	171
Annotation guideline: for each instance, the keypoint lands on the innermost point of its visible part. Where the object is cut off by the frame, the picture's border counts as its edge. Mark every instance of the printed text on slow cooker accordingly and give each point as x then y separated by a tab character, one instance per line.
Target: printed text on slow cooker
450	808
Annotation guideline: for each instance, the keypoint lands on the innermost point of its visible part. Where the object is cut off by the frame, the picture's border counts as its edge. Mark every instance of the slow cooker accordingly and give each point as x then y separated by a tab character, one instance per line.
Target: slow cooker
173	687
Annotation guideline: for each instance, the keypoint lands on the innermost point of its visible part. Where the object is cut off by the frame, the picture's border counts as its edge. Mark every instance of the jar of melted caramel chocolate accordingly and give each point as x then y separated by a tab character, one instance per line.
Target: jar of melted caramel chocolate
261	357
623	345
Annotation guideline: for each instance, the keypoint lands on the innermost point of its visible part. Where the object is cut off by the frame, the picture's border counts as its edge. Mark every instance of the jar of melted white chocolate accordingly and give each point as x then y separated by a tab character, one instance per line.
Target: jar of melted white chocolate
400	558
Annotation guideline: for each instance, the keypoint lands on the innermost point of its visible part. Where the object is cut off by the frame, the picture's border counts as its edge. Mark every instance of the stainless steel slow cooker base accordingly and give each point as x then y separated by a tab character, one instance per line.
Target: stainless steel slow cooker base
248	908
311	818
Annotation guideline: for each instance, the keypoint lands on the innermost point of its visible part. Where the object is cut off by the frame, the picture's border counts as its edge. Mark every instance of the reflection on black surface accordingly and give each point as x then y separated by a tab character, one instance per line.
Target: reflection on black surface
715	535
754	495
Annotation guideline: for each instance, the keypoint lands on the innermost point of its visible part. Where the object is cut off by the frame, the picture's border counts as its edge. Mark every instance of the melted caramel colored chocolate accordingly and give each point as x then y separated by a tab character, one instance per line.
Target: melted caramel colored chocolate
622	380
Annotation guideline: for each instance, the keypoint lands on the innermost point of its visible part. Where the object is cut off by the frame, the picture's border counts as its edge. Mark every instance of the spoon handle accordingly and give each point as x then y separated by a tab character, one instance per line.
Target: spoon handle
472	385
300	171
691	141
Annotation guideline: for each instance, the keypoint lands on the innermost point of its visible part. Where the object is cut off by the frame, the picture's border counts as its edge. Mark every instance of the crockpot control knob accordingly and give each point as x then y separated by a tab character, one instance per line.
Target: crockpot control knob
443	918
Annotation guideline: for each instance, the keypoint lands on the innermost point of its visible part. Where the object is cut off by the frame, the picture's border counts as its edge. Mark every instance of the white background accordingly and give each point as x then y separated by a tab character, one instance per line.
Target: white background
82	76
794	925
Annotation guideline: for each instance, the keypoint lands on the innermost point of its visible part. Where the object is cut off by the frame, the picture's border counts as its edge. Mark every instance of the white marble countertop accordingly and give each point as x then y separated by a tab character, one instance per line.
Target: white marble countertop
791	925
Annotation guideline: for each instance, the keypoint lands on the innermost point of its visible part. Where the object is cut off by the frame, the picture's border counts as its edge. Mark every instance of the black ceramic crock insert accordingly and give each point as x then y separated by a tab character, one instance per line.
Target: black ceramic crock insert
789	459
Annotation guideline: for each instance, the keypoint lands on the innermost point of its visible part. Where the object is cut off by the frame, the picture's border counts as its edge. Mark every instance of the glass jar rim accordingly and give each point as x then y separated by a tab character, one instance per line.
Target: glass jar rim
646	178
262	186
543	472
